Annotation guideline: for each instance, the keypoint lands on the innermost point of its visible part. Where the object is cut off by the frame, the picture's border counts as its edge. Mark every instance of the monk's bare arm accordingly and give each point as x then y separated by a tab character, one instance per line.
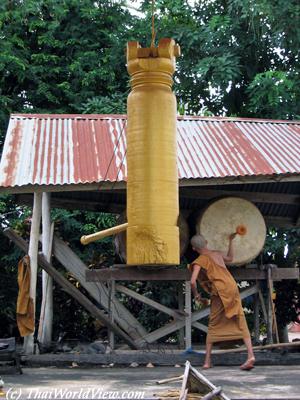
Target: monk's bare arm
229	256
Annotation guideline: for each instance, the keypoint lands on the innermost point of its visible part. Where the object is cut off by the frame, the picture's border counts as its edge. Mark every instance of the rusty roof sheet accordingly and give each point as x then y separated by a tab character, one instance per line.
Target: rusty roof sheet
58	149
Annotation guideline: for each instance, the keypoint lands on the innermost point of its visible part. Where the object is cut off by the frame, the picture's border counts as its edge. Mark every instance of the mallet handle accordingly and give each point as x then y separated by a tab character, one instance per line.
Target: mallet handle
102	234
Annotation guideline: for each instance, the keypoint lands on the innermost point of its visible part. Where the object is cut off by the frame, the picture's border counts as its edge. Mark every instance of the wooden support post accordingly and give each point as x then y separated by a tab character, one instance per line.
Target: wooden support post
256	317
112	293
270	309
33	254
46	316
274	320
263	306
188	318
181	308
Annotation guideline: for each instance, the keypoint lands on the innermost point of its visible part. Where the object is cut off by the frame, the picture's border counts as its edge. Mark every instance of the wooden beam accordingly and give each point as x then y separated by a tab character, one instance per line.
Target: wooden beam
97	289
263	306
71	289
46	314
126	273
297	219
256	318
175	325
200	326
188	318
111	313
181	308
279	274
118	208
162	358
133	274
33	254
280	221
76	204
185	182
103	186
150	302
238	180
256	197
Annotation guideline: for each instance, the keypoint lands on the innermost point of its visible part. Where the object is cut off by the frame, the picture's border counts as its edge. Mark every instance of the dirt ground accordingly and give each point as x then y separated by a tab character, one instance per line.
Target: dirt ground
278	382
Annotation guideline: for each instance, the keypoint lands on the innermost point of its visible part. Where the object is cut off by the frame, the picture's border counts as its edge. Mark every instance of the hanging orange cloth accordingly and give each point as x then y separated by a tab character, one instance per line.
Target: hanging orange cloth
25	308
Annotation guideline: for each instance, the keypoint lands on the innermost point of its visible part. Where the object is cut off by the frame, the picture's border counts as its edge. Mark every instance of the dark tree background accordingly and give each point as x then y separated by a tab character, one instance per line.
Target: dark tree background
239	58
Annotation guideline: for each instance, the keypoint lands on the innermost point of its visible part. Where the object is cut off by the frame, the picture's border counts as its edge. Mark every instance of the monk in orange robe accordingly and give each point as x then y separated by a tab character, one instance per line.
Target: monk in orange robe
227	320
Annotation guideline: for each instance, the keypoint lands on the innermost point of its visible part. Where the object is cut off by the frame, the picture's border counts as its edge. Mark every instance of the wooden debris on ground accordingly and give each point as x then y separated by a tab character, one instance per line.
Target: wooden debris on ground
195	386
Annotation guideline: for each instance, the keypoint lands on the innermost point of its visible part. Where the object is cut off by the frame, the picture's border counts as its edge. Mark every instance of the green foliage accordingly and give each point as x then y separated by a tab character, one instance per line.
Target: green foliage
114	104
273	94
57	55
283	249
232	52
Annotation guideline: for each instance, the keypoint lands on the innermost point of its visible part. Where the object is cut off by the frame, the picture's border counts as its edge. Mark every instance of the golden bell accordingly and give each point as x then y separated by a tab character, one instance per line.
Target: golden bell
152	186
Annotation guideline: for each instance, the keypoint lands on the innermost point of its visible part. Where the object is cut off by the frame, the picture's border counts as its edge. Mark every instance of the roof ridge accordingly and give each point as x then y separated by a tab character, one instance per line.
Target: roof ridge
179	117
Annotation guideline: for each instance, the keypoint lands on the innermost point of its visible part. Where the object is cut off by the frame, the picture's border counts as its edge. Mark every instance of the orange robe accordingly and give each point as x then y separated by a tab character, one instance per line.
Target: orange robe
25	307
227	319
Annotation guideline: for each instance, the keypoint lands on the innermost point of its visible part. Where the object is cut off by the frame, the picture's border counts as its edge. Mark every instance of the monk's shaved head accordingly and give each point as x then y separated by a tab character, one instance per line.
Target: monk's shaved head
198	242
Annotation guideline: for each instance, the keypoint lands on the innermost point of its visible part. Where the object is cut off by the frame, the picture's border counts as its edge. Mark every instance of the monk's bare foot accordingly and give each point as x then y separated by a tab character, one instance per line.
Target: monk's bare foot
249	364
206	365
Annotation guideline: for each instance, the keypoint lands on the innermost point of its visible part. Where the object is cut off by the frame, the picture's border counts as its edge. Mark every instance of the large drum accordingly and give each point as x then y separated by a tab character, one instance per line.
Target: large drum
120	238
222	217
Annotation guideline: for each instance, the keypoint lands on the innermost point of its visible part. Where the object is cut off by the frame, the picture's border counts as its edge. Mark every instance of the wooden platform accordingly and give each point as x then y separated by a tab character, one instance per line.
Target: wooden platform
173	273
183	317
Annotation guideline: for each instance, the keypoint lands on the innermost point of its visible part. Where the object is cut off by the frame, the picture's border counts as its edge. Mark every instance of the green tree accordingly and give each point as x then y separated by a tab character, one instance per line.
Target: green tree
56	56
239	57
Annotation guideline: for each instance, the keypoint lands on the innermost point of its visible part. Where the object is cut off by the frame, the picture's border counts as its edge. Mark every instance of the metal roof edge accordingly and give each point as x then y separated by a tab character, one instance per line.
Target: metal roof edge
236	119
71	187
179	118
69	116
184	182
230	180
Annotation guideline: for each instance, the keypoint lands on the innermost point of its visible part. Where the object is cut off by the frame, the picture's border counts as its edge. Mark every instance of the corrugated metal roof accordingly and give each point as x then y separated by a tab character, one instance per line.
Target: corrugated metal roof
71	149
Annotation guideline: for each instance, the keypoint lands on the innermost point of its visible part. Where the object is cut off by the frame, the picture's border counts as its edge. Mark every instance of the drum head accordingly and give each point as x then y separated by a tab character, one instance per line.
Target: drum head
222	217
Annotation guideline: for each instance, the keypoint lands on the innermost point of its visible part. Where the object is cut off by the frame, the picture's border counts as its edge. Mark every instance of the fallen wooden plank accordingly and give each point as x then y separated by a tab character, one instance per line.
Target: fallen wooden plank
183	389
97	290
267	346
70	289
194	382
168	380
212	394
